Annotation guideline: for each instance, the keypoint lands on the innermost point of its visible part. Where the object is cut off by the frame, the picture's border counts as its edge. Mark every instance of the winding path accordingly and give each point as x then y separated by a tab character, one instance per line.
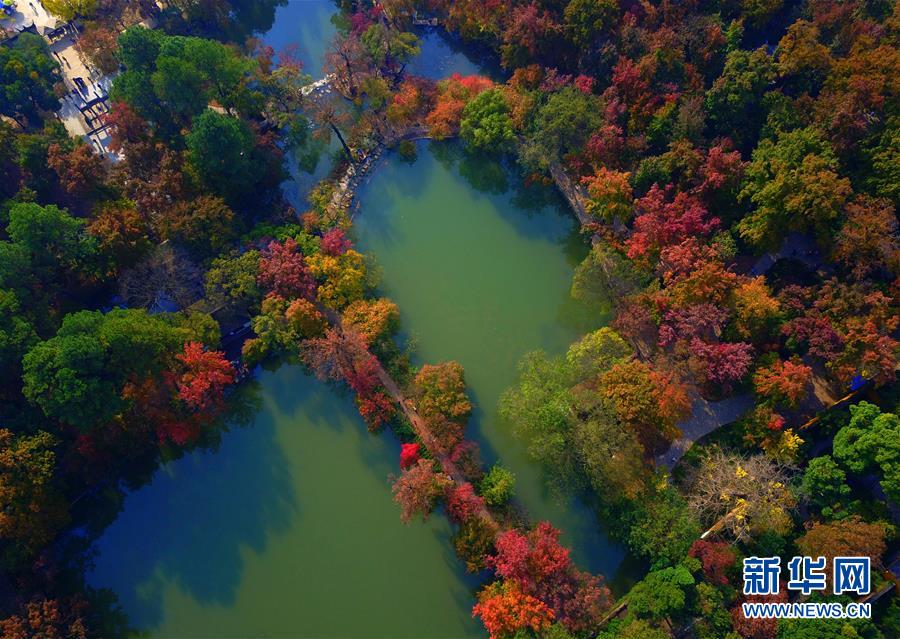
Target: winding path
705	417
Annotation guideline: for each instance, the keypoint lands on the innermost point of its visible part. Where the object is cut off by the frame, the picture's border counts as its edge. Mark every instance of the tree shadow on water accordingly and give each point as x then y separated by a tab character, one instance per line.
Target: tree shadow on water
533	209
484	172
295	396
190	525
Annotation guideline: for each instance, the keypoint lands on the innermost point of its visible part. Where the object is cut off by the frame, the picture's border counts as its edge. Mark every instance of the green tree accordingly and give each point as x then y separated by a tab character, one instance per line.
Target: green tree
69	9
232	279
17	335
205	68
53	240
662	527
827	629
220	150
171	79
871	441
139	48
178	85
825	484
634	629
275	332
794	185
77	376
587	21
801	57
562	125
758	12
32	510
715	620
32	155
16	273
662	593
388	47
27	76
485	124
611	457
596	353
885	176
539	408
604	275
733	101
497	485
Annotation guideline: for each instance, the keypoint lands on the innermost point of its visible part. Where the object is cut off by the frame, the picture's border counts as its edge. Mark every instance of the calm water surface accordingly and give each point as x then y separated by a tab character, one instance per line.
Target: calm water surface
288	529
481	269
305	27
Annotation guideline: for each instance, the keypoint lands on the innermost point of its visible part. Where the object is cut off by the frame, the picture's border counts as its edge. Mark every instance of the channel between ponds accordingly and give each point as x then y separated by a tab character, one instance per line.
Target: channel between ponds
287	528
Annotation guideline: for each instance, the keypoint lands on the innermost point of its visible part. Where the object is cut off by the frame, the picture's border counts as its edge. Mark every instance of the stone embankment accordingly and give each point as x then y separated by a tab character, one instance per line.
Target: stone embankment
573	193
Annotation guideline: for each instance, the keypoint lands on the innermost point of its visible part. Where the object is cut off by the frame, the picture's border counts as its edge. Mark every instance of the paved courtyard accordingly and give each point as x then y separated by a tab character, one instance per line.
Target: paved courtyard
85	102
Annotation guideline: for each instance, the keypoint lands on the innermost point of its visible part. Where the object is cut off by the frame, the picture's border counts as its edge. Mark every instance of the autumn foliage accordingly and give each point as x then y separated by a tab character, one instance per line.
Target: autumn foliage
283	270
663	220
409	455
649	402
505	611
784	382
463	503
716	557
757	628
453	94
206	374
536	564
418	488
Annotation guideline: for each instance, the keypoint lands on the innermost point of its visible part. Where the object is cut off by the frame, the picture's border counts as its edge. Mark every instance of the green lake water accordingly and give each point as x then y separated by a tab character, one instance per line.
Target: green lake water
481	268
287	528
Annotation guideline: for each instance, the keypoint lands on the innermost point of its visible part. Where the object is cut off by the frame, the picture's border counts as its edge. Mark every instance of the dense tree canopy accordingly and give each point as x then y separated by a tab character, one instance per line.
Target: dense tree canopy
27	74
870	442
78	375
734	165
485	123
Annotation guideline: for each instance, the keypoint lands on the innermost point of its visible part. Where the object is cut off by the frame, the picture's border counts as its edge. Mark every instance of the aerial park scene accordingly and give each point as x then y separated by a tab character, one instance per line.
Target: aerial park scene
448	319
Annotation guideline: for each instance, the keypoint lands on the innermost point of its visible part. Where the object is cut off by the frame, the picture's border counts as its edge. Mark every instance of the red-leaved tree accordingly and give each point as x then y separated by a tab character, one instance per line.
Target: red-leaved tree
463	503
539	566
418	488
716	557
505	611
283	270
662	221
409	455
335	242
206	374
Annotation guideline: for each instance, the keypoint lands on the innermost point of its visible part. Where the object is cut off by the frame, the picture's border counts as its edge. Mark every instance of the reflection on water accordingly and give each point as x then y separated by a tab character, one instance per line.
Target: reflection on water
287	530
480	266
303	27
440	57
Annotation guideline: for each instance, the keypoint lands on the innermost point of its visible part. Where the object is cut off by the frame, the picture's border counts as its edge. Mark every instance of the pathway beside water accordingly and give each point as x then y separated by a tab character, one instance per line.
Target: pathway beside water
288	529
480	269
